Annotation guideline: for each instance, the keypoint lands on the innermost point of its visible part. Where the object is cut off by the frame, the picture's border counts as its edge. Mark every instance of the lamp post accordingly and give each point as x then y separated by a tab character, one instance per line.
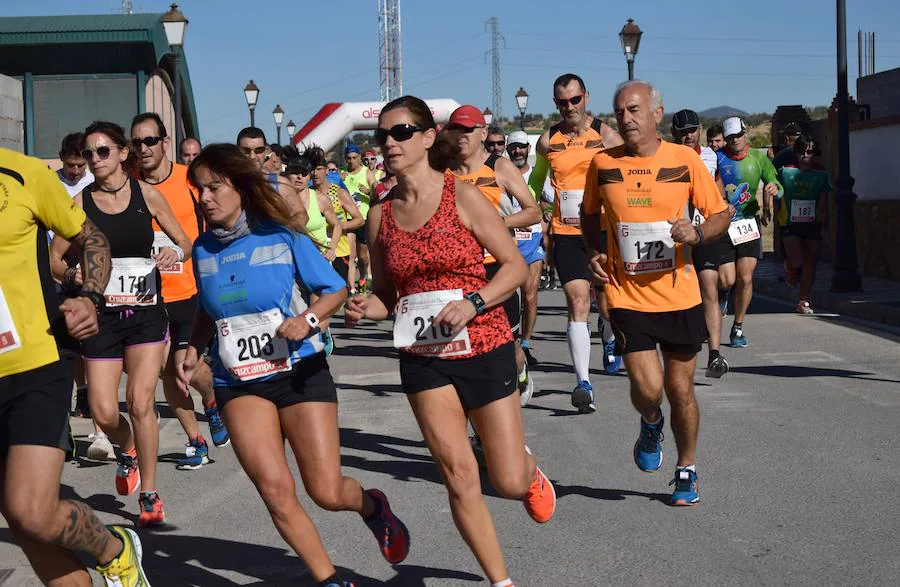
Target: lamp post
278	115
488	116
175	25
846	271
251	92
630	36
522	103
291	127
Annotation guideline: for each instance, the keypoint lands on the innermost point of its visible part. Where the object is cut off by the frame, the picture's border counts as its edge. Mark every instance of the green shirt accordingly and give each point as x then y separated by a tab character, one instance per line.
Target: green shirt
802	200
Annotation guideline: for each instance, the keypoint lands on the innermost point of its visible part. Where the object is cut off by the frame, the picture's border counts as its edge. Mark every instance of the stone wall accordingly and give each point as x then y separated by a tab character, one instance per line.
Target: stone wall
878	238
12	114
880	92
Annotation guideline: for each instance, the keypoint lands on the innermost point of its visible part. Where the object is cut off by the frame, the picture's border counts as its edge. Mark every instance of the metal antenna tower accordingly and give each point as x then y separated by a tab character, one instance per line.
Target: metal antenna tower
127	7
390	54
496	40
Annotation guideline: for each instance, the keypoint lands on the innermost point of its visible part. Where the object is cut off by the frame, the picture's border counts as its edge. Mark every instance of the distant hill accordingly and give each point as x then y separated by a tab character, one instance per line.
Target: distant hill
722	112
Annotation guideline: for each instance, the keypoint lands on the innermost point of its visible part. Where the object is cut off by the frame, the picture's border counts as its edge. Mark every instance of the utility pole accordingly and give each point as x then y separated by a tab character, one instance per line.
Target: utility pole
496	40
390	54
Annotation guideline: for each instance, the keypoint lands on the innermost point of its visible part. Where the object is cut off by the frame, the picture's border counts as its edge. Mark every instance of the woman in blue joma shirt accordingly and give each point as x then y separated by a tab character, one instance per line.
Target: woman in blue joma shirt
254	266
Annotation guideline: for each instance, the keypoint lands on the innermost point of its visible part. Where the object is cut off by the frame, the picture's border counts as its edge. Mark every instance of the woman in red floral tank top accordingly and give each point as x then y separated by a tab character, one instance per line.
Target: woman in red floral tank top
457	359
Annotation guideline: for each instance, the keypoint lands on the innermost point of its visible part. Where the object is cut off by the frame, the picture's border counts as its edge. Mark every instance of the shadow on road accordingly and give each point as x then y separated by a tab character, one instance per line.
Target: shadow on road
606	494
359	350
377	389
414	576
794	371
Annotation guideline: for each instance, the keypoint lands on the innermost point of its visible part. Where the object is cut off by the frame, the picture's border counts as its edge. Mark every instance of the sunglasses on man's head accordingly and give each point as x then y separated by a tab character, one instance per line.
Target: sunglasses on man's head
255	150
491	144
102	152
563	102
398	132
149	141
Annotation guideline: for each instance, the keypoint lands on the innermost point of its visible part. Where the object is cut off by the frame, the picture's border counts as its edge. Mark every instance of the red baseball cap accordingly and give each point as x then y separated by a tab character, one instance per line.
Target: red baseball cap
467	116
370	154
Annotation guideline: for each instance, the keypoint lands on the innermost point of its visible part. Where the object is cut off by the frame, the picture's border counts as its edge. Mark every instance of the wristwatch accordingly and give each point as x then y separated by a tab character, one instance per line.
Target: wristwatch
97	298
312	320
477	301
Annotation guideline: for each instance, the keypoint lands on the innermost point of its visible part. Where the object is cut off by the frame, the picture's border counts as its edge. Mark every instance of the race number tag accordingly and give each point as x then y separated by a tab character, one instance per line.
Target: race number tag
415	331
9	338
161	240
132	282
646	247
698	218
743	231
803	210
248	346
523	234
570	206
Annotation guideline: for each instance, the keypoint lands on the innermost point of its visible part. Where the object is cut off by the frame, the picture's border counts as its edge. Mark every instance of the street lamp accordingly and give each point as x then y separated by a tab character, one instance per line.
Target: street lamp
488	116
522	103
251	92
278	115
631	40
846	270
175	25
291	127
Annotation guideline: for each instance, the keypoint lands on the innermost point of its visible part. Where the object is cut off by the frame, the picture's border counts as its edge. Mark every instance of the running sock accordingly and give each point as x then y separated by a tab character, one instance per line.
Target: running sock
655	422
737	325
210	404
332	581
606	332
507	582
713	354
688	468
579	338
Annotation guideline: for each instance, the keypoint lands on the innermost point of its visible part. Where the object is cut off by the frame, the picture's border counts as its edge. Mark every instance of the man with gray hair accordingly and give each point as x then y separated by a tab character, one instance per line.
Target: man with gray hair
644	189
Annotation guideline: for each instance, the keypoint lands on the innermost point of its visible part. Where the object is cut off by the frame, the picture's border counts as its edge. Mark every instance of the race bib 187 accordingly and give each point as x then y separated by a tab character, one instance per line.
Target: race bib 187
803	211
132	282
646	247
743	231
248	346
415	331
9	338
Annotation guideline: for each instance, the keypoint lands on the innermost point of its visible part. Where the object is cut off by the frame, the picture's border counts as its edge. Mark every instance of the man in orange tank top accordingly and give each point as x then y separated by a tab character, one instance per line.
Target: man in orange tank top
646	189
495	175
179	289
566	149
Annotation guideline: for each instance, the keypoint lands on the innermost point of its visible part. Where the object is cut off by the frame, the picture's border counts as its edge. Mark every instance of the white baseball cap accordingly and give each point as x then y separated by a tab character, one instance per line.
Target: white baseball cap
733	126
517	138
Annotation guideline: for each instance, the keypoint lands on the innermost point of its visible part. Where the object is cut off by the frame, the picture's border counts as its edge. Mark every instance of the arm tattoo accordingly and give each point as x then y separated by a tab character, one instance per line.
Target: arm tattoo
95	257
82	531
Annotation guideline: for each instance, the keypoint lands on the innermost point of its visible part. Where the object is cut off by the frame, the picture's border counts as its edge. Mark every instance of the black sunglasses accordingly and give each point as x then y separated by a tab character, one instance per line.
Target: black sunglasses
398	132
563	102
490	144
149	141
256	150
102	152
461	128
735	136
370	159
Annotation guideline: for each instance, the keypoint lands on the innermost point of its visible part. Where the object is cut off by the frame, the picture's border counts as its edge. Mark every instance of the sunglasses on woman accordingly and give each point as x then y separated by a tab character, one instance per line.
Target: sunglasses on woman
149	141
398	132
563	102
102	152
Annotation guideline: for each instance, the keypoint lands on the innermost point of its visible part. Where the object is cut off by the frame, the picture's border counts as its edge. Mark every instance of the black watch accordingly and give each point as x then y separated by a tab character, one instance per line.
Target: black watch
97	298
477	301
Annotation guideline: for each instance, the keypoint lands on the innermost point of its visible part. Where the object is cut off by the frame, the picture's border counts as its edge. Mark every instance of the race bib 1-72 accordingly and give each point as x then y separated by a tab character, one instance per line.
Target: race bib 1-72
415	331
646	247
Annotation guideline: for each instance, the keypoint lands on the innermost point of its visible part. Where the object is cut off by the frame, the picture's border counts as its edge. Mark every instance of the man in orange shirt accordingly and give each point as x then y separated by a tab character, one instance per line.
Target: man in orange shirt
179	289
644	188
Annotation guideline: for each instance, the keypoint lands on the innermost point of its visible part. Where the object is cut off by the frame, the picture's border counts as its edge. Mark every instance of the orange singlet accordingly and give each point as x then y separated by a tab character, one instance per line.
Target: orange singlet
485	179
569	159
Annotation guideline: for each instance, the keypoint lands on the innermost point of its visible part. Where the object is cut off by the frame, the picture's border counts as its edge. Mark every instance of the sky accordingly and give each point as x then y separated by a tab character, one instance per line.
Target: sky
753	55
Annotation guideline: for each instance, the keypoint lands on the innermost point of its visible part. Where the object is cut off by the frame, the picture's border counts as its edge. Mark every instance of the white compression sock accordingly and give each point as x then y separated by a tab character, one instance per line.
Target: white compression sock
579	337
504	583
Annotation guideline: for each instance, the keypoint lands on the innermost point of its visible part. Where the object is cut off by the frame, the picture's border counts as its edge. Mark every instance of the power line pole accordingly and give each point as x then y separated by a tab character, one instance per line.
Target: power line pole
390	54
496	40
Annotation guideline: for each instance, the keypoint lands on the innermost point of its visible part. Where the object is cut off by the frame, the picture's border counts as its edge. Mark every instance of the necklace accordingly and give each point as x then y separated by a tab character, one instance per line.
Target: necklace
115	191
147	179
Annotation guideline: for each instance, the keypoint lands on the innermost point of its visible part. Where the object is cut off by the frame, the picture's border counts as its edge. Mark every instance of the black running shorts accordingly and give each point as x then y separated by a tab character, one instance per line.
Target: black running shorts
811	231
709	256
478	380
309	381
342	266
679	331
34	408
181	321
512	305
360	235
127	328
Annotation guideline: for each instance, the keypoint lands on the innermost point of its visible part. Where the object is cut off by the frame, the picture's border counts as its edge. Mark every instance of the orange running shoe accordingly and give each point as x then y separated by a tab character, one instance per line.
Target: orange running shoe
128	476
540	503
152	513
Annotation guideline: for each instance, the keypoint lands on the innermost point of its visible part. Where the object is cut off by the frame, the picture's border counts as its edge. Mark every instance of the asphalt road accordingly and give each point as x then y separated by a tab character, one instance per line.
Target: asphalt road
798	464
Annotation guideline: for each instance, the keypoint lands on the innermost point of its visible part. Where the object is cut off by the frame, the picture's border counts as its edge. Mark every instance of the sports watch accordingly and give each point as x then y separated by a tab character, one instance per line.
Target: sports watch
98	299
477	301
312	320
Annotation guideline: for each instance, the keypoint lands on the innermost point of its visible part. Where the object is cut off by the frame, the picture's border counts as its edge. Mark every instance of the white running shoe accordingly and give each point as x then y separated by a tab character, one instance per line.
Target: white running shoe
526	390
100	449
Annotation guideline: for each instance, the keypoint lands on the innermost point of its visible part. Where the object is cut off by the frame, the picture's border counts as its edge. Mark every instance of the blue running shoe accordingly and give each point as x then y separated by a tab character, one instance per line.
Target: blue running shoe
648	448
196	454
687	489
738	340
217	430
583	398
328	341
723	305
612	362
